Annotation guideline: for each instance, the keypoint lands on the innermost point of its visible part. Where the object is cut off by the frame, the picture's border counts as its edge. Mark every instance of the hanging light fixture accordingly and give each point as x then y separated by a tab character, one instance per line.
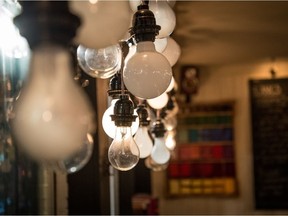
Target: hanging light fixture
147	74
142	137
53	115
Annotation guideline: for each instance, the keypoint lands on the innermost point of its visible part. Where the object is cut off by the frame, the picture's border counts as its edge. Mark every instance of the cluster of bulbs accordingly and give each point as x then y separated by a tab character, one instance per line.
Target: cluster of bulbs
54	120
146	73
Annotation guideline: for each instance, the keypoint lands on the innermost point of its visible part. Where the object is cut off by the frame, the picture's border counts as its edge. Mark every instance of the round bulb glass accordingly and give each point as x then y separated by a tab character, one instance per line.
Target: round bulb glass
143	141
79	159
101	63
172	51
159	102
148	73
123	152
171	85
53	115
109	125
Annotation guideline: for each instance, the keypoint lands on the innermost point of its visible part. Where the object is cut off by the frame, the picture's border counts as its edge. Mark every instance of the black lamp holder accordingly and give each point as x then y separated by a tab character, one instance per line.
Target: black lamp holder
47	21
143	115
144	26
123	112
158	128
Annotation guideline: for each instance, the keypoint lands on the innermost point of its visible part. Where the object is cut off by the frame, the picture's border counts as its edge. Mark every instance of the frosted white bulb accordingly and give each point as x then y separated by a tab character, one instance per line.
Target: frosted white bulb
148	73
53	115
159	102
123	153
143	141
171	85
79	159
100	63
160	154
172	51
104	23
165	17
109	125
170	140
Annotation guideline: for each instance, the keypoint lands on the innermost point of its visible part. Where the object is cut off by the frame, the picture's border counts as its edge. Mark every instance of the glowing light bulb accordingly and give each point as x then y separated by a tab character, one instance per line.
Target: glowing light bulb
149	163
123	152
172	51
170	140
143	141
109	125
159	102
160	154
53	115
170	122
171	85
148	73
100	63
104	23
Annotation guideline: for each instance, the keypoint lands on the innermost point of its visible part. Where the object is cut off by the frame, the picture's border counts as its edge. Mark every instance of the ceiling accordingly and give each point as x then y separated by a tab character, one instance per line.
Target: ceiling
215	33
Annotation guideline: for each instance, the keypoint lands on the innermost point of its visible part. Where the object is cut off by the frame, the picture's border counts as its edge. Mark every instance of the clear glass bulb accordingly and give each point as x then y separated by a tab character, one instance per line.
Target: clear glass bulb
144	142
79	159
160	154
104	23
109	125
148	73
123	152
53	115
172	51
159	102
100	63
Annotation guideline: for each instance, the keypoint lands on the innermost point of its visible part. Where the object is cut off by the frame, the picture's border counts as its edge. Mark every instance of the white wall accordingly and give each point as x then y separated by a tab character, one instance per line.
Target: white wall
221	83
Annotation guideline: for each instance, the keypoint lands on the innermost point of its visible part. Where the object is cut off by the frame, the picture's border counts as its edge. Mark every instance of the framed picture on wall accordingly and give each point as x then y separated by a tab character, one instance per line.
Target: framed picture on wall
189	81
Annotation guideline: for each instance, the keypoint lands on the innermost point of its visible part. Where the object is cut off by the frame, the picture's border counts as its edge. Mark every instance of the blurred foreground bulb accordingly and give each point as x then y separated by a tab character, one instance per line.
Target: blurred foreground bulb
79	159
123	153
147	74
53	115
100	63
160	154
104	23
142	137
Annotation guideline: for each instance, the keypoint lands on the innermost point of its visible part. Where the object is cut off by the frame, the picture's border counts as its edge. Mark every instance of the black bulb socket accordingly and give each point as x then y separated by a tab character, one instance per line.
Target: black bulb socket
123	112
143	115
144	26
158	128
47	22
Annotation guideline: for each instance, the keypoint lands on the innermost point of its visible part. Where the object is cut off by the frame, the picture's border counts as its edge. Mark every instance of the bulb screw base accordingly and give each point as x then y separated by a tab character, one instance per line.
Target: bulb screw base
115	87
123	112
144	26
158	128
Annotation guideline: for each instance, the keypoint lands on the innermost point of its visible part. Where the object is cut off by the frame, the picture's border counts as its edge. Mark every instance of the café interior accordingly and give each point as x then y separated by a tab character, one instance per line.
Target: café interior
134	107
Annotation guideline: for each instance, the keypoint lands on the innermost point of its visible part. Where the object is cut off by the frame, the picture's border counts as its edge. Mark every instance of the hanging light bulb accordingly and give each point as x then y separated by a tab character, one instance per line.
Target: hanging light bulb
172	51
53	115
149	163
159	102
164	15
78	160
147	74
170	141
171	85
160	154
142	137
104	22
123	152
107	123
100	63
